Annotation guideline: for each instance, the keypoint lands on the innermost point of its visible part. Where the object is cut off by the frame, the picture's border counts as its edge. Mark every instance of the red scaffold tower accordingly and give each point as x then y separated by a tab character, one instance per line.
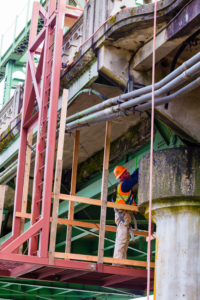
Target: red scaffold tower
41	85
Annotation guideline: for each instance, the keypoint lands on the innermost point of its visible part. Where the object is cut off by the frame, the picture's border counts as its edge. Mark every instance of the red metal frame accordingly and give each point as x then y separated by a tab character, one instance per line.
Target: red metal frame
38	87
37	268
42	84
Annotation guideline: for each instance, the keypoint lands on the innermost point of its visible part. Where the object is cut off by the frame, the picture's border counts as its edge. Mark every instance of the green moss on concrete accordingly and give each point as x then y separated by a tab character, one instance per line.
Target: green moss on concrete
76	55
6	138
2	135
177	176
113	20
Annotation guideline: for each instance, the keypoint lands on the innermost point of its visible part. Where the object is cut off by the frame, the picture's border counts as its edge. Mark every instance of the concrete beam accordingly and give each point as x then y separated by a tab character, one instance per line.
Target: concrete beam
170	38
113	65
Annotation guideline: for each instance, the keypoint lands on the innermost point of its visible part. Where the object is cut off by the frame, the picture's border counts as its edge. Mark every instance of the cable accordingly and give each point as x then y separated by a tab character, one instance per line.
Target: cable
176	16
151	152
90	218
177	55
82	209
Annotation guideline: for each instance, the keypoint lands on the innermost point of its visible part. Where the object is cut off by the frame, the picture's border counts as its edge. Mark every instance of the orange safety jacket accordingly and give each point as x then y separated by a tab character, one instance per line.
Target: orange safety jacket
121	197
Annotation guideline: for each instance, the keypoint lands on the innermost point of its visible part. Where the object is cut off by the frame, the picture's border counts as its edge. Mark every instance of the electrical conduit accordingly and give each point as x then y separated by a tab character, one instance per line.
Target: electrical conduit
107	103
186	75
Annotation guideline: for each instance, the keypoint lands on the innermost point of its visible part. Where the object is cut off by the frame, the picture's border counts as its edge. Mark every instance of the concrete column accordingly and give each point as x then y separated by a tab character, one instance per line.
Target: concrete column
176	212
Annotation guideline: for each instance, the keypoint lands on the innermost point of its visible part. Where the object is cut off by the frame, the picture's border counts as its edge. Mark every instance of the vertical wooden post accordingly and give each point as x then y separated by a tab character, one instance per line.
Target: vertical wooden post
26	184
104	192
58	175
3	190
73	190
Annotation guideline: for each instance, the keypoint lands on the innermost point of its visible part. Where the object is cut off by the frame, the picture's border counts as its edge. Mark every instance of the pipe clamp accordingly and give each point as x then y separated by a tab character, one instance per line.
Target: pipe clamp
184	66
185	76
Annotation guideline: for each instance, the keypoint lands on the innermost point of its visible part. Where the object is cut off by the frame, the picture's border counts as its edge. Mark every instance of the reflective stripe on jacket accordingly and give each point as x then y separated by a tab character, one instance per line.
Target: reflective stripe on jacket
121	197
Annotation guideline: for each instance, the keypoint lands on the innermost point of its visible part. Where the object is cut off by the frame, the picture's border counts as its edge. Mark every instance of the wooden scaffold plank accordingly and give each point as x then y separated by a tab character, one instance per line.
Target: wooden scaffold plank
26	184
73	190
108	260
96	202
58	175
86	225
104	191
3	190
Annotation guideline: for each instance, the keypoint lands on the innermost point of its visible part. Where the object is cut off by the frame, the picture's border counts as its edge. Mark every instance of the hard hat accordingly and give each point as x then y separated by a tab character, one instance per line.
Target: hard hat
119	170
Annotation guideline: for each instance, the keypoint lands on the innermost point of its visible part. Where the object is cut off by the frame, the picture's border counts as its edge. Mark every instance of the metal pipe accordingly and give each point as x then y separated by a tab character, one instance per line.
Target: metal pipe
107	103
193	85
91	91
142	107
180	50
123	106
13	167
81	114
101	120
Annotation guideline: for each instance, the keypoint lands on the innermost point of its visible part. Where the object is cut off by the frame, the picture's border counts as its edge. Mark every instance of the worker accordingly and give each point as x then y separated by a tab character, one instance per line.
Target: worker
124	195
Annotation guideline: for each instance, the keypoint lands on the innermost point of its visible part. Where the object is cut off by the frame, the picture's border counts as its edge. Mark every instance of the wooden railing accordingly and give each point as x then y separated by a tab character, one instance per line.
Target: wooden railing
54	220
72	199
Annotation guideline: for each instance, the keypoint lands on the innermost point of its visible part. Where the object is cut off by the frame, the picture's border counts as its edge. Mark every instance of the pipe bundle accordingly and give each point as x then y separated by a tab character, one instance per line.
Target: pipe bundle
139	99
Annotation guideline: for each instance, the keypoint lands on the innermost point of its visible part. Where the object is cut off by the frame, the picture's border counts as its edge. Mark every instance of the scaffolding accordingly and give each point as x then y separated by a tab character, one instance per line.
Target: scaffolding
42	85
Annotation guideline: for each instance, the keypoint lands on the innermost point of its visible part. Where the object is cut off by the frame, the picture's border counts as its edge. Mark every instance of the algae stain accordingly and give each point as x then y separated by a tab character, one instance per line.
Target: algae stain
113	20
76	55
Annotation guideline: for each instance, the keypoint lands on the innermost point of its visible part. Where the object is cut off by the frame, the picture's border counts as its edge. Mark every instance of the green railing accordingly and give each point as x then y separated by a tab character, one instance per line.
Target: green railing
20	23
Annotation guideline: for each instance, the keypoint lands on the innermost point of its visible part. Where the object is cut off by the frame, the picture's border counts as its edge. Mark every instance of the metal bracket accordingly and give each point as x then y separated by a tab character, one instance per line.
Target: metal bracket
131	84
120	100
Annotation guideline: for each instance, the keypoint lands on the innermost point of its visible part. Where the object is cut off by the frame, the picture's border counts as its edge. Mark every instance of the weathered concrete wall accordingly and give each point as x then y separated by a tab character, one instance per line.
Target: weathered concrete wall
189	118
176	175
95	14
176	212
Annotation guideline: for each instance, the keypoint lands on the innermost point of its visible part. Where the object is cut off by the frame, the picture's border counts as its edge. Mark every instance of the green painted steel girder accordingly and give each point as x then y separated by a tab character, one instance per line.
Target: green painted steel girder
19	45
33	290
